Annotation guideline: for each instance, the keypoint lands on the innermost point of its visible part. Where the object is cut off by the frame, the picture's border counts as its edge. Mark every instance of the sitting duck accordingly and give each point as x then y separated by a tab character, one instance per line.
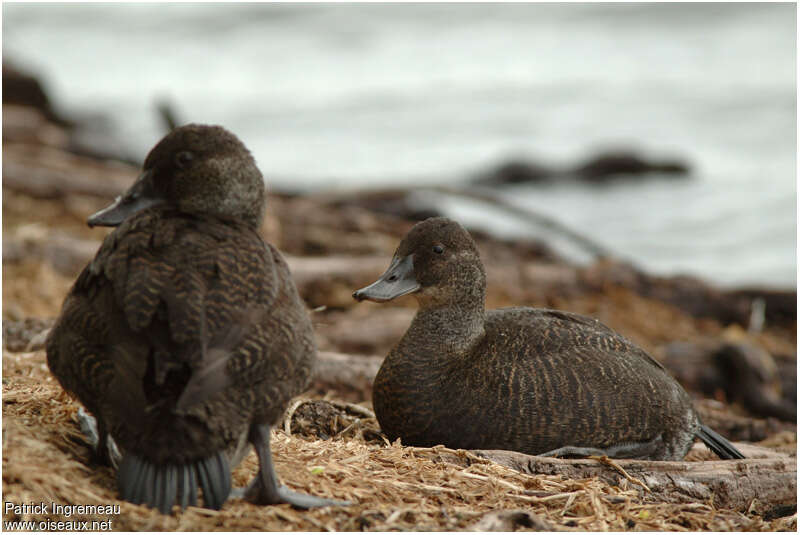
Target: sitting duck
537	381
185	336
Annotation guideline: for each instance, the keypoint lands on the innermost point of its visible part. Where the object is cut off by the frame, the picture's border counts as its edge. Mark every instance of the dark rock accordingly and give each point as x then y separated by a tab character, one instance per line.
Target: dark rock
25	89
399	203
752	379
608	165
516	172
744	372
600	168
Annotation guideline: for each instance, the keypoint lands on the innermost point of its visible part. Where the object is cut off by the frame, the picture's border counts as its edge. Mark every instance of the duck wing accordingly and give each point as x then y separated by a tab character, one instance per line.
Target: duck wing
194	292
578	325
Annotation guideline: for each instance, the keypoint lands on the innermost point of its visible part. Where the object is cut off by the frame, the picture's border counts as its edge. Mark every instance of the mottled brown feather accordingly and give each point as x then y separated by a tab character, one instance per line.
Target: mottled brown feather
213	296
184	298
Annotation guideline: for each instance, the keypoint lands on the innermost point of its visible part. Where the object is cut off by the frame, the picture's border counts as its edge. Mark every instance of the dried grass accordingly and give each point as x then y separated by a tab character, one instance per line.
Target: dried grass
392	487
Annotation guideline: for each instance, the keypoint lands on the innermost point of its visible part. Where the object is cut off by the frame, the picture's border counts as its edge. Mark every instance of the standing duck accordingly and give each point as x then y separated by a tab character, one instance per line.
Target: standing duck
185	336
537	381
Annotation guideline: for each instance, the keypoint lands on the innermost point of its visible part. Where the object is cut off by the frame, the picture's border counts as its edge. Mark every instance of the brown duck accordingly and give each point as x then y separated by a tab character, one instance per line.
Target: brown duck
185	337
538	381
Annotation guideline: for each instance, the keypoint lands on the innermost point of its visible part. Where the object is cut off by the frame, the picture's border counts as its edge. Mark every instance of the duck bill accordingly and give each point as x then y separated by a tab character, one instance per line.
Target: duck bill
141	195
396	281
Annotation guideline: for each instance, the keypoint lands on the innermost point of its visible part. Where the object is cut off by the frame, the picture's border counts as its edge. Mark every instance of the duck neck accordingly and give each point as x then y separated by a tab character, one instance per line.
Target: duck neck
444	332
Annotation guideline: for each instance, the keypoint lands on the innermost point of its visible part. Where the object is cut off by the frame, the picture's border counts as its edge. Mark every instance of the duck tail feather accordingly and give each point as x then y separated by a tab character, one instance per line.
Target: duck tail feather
162	485
187	487
215	480
718	444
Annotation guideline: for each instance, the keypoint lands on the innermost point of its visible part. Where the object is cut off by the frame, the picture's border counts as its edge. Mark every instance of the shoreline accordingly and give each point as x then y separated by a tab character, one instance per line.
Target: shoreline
701	333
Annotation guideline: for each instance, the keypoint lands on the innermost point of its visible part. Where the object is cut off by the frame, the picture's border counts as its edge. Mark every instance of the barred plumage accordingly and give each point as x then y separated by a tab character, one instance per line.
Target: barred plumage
186	333
531	380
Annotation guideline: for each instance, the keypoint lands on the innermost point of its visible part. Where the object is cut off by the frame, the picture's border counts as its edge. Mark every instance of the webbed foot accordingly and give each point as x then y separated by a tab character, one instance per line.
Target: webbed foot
105	449
265	489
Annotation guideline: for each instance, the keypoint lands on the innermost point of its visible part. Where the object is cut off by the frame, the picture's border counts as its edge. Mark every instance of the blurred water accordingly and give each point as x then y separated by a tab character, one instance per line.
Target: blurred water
339	95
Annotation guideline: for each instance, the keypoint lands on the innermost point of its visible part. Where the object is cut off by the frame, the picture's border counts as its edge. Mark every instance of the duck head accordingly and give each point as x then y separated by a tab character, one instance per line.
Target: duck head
438	262
196	169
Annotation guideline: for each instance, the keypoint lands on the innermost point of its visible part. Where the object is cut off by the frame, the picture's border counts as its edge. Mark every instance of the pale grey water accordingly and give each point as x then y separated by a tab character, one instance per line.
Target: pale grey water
334	96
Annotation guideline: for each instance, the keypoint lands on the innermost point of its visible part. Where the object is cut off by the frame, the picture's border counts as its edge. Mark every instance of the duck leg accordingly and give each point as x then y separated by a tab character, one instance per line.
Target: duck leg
623	450
105	449
265	488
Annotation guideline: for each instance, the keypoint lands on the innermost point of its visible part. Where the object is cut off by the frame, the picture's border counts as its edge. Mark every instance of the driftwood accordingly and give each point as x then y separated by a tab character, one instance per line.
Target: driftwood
330	281
764	481
365	233
45	183
24	124
750	307
757	483
526	214
344	330
350	376
410	204
65	252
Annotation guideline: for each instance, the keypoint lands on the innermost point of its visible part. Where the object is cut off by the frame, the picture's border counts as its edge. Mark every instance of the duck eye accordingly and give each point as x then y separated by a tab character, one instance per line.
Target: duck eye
184	158
438	249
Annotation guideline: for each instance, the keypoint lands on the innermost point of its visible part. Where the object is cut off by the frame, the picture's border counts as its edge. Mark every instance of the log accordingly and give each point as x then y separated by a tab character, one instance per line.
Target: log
350	376
331	280
403	203
46	183
733	485
344	330
65	252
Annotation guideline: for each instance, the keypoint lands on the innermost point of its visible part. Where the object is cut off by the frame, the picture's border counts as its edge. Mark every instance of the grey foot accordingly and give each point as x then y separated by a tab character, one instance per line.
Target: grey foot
265	489
573	451
255	493
101	442
88	425
623	450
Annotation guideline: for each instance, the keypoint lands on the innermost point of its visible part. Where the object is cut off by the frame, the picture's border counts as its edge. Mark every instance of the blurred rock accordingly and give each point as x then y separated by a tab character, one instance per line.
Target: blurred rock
18	335
740	370
404	204
92	135
24	88
610	165
516	172
600	168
